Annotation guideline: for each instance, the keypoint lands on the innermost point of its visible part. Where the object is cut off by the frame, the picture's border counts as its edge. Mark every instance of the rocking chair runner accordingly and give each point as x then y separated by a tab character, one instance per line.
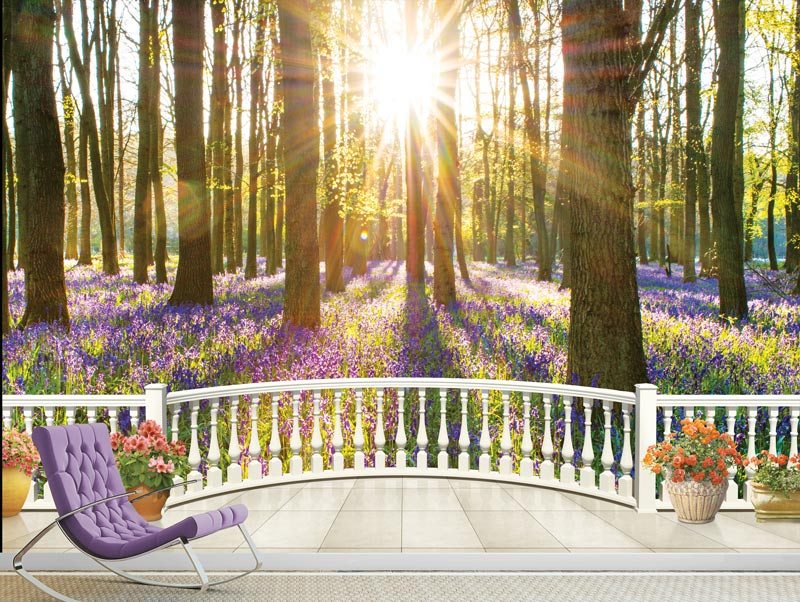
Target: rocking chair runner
97	517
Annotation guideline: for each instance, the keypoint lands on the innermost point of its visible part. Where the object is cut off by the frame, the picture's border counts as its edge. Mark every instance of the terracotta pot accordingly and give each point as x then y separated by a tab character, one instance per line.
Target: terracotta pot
16	485
774	505
150	507
696	502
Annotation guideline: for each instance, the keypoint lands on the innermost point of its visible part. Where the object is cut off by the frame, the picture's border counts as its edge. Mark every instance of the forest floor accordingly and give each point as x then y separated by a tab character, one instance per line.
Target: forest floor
506	325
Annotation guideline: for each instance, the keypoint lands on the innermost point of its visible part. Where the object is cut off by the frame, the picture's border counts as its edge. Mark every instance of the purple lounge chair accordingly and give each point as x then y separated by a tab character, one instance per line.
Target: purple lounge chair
96	516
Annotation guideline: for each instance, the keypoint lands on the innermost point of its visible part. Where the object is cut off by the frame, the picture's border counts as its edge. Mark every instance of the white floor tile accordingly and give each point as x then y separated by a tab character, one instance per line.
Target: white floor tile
438	530
365	530
382	483
655	531
736	534
431	500
537	498
510	530
583	530
374	499
317	499
425	483
486	499
268	498
294	530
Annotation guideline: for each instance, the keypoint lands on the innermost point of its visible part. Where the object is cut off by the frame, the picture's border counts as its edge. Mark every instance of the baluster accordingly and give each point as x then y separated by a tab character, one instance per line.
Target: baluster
234	471
443	440
567	451
793	419
547	468
506	464
70	413
91	414
587	476
626	460
485	462
113	422
607	478
295	443
422	434
463	436
338	439
275	465
732	493
400	437
380	436
27	416
214	475
773	430
689	413
359	459
194	451
134	415
48	416
316	438
254	469
667	420
176	412
526	464
7	418
750	470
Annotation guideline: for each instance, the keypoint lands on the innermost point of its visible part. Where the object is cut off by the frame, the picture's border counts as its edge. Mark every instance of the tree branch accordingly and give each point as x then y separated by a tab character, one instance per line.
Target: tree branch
648	51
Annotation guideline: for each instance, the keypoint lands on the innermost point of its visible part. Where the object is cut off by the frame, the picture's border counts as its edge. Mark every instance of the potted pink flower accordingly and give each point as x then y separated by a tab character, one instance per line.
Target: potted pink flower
20	459
147	462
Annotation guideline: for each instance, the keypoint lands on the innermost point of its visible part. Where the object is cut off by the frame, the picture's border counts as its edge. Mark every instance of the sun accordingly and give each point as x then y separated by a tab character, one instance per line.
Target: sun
402	79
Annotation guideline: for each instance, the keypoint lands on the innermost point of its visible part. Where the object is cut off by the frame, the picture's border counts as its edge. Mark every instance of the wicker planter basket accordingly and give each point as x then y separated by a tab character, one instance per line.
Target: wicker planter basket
696	502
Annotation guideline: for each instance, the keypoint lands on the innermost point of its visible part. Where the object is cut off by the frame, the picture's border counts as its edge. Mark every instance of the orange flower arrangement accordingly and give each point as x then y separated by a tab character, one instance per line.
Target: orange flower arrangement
698	453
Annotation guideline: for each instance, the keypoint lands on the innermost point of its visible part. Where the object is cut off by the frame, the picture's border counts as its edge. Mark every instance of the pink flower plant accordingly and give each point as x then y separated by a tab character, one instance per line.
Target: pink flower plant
19	452
146	457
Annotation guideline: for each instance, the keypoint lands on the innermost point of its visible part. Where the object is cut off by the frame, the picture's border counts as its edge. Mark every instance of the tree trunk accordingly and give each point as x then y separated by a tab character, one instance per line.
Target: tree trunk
157	155
509	254
301	160
71	180
40	164
732	291
238	173
756	185
143	202
675	188
694	132
9	18
448	189
120	164
89	124
641	223
793	173
415	213
216	132
738	166
85	250
193	281
229	210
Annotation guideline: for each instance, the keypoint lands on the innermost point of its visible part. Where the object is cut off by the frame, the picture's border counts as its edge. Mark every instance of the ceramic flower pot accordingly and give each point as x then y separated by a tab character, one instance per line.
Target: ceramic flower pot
16	485
151	506
696	502
774	505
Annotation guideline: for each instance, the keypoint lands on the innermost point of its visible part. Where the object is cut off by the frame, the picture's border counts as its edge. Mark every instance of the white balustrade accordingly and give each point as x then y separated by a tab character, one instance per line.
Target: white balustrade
773	430
463	435
732	493
506	464
485	462
607	478
443	440
234	471
547	468
194	451
214	474
176	412
380	436
70	415
625	488
316	438
275	465
587	474
295	443
422	434
254	469
338	439
526	447
400	438
794	416
567	451
359	459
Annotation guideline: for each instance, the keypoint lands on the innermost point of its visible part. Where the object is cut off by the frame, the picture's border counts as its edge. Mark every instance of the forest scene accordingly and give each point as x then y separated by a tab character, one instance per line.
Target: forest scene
570	191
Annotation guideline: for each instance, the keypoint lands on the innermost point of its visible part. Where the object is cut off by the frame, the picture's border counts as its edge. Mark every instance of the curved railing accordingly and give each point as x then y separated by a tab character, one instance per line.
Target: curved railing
265	434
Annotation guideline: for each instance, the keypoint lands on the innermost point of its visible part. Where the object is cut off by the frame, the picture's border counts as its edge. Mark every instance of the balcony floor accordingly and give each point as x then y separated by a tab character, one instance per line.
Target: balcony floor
391	515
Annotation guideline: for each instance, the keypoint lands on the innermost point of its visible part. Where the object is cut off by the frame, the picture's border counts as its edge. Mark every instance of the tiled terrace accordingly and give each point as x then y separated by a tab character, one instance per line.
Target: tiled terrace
447	515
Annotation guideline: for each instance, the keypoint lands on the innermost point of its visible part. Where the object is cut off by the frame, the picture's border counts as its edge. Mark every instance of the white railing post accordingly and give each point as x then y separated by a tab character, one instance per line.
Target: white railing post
176	414
295	443
359	459
485	461
114	423
400	437
69	411
463	436
732	493
626	460
380	436
567	450
773	431
793	420
667	430
214	455
91	416
752	414
526	464
275	465
338	439
443	440
194	451
547	468
586	474
234	472
422	434
254	469
316	438
506	465
27	416
155	404
7	417
645	482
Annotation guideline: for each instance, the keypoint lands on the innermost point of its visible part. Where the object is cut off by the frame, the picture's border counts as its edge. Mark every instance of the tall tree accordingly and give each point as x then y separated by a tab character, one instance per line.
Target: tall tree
71	180
448	189
732	291
793	173
40	165
605	63
641	155
216	132
301	160
510	255
157	154
694	133
193	281
238	172
9	16
103	199
415	213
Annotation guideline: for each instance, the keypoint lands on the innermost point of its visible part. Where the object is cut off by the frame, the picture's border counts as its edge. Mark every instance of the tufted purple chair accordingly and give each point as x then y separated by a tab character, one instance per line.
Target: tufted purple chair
95	512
